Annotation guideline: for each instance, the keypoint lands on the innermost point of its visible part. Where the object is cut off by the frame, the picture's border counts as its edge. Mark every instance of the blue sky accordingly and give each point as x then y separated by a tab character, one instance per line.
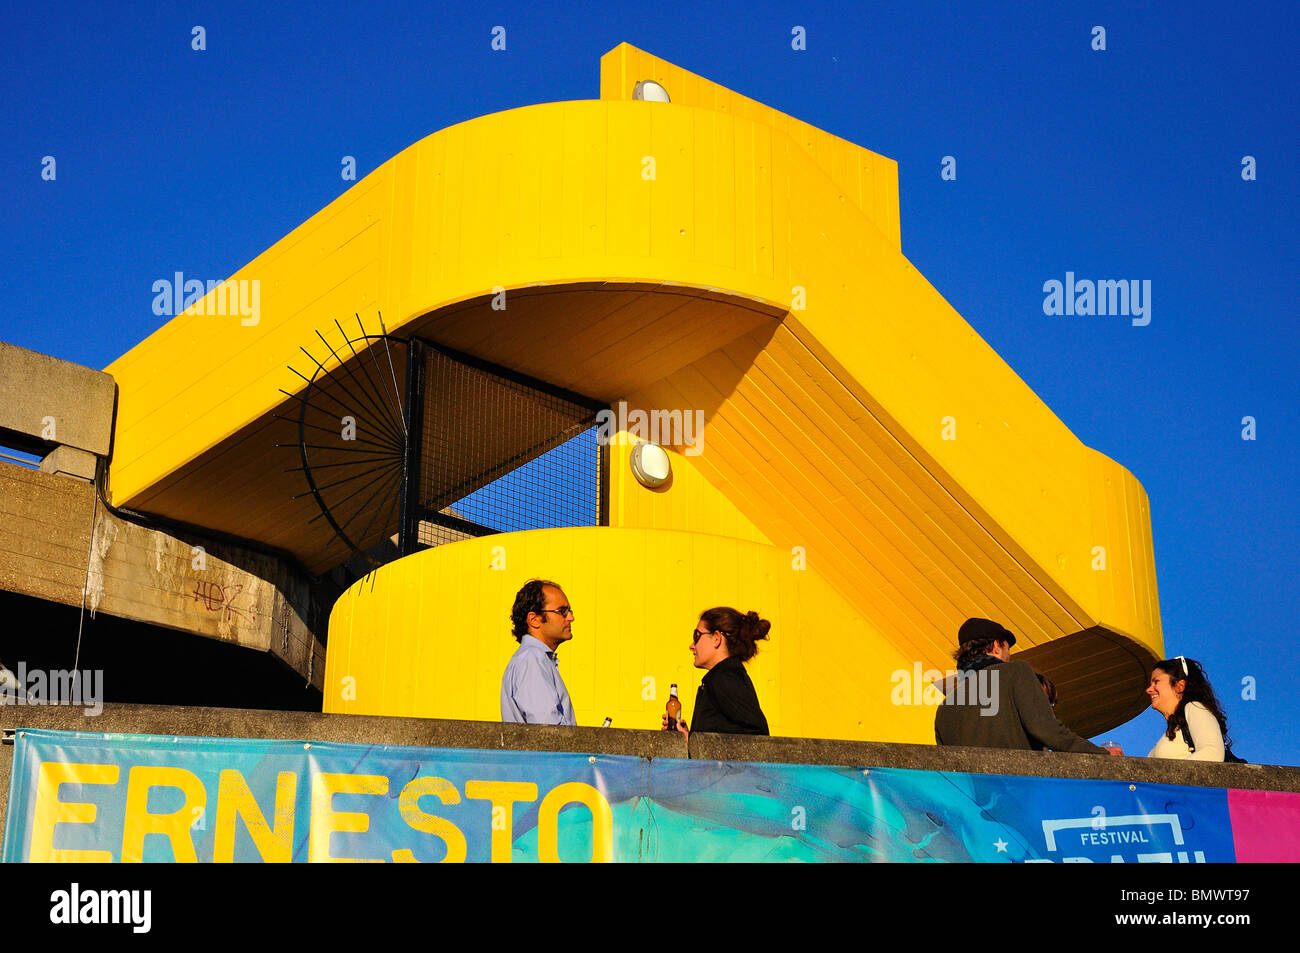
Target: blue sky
1122	163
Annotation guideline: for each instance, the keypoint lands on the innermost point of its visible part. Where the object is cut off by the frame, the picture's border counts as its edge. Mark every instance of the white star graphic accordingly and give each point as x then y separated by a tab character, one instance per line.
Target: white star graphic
1001	845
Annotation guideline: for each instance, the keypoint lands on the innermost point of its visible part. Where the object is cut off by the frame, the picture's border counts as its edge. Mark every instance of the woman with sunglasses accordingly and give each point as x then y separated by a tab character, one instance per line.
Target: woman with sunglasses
1195	724
722	641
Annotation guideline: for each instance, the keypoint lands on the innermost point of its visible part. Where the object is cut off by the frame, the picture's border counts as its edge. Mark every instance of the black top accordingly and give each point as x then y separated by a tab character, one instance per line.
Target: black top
727	703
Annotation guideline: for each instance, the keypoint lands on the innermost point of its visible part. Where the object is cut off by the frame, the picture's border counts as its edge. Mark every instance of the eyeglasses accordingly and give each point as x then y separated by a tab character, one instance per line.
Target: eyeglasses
696	635
562	610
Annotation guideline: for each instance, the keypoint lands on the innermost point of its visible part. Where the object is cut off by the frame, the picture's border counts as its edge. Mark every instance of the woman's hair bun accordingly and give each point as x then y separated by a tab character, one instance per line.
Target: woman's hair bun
742	629
758	627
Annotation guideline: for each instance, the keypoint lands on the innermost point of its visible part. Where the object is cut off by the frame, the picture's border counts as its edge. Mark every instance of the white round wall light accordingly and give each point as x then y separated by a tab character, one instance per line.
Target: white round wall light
650	91
650	465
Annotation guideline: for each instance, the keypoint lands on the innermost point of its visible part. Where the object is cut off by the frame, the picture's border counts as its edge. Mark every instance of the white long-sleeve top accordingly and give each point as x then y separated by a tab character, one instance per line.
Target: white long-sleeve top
1205	733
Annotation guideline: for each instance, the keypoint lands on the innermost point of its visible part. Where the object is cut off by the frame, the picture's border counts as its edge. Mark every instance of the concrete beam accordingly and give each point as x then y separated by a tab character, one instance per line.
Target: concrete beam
45	401
192	585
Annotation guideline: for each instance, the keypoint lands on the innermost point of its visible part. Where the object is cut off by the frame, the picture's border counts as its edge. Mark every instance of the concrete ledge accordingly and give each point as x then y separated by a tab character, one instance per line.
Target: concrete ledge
1033	764
352	729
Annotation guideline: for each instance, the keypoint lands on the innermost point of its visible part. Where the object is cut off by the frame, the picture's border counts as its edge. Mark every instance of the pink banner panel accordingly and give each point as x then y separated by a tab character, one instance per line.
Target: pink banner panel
1265	826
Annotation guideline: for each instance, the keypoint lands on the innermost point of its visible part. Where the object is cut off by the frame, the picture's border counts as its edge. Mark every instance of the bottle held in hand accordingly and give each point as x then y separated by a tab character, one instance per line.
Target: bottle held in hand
673	708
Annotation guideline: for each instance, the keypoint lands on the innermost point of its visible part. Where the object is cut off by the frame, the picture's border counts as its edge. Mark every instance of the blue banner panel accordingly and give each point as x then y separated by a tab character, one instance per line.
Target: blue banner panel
108	797
767	812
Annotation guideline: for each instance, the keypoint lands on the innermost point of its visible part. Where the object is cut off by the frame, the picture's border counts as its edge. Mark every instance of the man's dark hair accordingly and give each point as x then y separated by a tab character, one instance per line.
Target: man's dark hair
1049	688
970	652
531	598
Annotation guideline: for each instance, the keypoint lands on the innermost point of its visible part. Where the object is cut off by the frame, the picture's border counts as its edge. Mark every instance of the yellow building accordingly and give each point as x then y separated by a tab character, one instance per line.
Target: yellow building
869	473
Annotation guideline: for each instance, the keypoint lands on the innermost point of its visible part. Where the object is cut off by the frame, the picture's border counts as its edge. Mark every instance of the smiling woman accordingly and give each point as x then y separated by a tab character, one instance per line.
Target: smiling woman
1196	726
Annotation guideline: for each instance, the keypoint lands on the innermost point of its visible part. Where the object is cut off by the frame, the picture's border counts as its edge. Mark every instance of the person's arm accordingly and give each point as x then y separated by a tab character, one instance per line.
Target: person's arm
1204	729
1036	715
533	691
734	696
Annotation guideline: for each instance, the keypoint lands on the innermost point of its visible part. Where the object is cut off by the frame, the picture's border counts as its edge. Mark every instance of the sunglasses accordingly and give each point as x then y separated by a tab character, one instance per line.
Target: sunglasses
696	635
562	610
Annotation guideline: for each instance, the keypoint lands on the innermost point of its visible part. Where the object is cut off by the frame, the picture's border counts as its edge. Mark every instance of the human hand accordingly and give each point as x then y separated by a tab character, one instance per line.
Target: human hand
680	726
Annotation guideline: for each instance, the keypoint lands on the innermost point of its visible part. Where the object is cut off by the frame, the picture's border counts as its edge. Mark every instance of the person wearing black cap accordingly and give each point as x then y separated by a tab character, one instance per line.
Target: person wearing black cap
993	702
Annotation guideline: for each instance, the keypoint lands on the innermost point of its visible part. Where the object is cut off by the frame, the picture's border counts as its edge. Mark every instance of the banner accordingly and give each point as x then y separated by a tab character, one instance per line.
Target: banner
113	797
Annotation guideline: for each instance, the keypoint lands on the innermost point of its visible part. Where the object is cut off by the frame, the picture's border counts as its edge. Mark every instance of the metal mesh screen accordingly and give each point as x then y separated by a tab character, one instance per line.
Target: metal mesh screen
500	453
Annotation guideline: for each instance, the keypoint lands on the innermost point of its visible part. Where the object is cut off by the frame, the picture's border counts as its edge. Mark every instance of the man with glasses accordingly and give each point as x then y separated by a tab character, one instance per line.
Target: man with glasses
532	691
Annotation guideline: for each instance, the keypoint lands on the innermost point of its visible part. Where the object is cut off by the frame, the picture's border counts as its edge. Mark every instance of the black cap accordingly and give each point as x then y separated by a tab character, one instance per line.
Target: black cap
973	629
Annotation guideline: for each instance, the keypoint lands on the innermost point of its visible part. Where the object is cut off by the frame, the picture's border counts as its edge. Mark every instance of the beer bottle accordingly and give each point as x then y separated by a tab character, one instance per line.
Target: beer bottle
673	707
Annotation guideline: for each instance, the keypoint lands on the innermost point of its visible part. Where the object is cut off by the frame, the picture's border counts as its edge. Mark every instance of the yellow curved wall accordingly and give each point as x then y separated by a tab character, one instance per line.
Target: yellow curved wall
429	635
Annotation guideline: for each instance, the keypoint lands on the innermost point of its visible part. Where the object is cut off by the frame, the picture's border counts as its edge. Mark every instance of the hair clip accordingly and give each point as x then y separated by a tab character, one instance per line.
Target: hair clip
1184	661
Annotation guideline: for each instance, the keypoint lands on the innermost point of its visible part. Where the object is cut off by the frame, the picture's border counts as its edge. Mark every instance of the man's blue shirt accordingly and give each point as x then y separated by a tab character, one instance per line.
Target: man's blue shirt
532	691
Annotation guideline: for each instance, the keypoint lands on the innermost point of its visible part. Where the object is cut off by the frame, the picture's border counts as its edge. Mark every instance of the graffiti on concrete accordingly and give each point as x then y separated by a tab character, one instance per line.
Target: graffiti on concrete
218	598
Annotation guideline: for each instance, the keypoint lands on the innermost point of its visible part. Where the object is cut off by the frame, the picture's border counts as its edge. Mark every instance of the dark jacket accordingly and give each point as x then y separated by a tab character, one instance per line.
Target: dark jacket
1023	717
727	703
